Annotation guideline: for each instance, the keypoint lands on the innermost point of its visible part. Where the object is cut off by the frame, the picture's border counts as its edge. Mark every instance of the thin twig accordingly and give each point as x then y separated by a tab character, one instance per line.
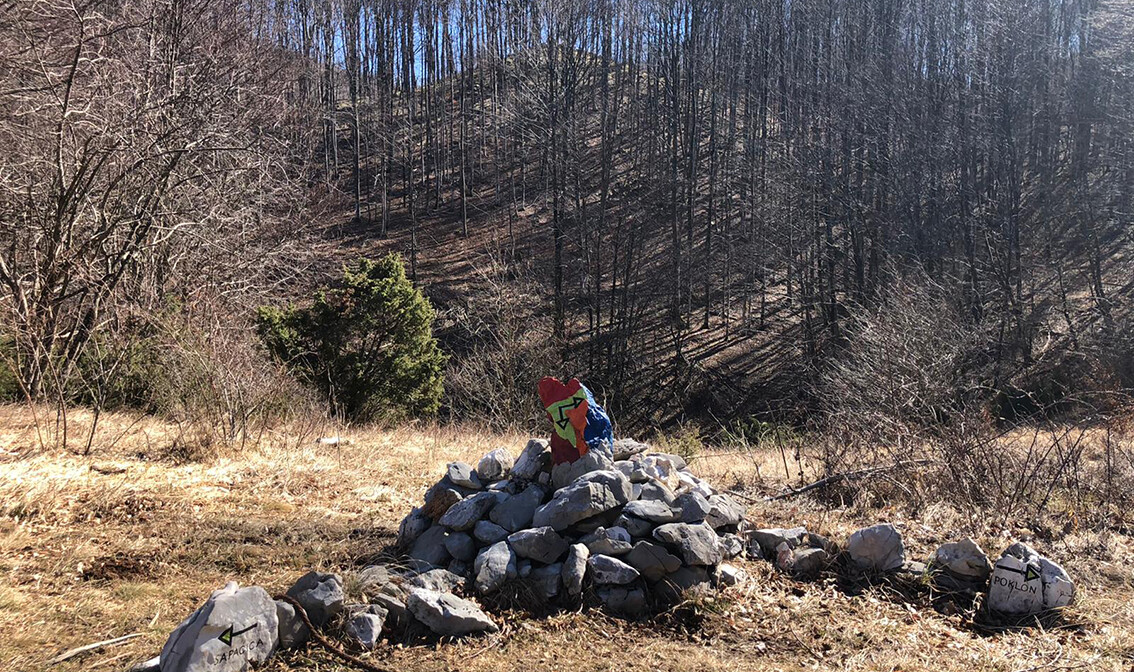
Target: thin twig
848	476
91	647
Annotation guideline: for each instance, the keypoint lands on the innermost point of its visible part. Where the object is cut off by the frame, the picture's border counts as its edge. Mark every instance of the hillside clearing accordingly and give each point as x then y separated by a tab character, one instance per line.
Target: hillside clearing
129	540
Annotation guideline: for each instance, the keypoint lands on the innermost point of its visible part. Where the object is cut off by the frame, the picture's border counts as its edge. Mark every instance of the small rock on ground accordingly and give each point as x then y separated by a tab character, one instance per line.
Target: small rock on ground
448	615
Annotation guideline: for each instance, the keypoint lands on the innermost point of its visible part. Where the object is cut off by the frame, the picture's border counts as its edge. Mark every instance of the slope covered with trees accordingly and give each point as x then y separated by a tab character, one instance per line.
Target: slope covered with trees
707	208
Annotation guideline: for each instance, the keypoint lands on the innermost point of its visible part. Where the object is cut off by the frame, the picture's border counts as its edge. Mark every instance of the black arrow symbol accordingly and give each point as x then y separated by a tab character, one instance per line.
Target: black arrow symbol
1029	572
563	420
228	634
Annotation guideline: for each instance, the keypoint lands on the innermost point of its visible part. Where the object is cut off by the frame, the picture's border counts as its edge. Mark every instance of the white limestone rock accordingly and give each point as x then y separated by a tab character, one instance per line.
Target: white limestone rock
234	630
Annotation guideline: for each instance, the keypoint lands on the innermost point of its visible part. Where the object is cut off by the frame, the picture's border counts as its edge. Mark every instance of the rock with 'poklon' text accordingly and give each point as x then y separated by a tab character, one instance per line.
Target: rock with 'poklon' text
1025	582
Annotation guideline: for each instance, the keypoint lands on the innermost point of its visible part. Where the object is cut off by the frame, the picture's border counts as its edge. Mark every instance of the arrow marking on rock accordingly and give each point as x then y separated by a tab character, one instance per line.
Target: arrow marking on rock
1029	572
228	634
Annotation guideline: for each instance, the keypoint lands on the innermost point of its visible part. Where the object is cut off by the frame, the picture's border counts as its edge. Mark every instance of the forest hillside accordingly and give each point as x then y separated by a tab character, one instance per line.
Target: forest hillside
713	212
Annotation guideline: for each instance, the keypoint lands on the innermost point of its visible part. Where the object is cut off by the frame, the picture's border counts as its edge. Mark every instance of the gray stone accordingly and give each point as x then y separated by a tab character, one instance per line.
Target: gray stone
365	630
430	547
731	546
673	587
462	474
293	632
395	607
448	615
652	560
565	473
590	525
877	548
542	544
768	540
235	629
320	595
804	562
1025	582
493	567
608	541
487	532
724	511
624	449
464	514
728	575
351	610
588	496
612	478
417	566
371	579
819	541
677	461
440	498
914	569
548	579
441	580
698	543
625	600
461	568
693	507
960	566
640	475
635	526
412	527
533	460
651	510
575	569
495	465
524	568
515	513
625	466
687	482
607	569
461	546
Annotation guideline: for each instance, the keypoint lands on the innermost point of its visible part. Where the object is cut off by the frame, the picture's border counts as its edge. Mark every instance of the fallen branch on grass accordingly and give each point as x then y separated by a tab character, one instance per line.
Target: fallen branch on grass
66	655
848	476
326	643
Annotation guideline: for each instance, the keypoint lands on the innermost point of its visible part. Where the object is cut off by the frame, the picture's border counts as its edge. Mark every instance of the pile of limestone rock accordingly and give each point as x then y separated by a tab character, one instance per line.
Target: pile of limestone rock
1020	582
630	532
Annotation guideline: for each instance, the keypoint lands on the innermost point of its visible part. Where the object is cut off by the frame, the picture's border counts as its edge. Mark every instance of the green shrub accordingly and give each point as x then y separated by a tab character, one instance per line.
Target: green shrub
9	383
366	343
751	431
685	441
122	368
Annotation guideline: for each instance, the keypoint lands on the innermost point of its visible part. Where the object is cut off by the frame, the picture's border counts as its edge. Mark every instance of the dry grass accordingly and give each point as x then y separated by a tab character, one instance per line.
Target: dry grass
87	555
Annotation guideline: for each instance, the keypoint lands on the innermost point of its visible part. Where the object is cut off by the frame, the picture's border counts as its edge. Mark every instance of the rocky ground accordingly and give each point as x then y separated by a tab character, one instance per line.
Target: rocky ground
130	540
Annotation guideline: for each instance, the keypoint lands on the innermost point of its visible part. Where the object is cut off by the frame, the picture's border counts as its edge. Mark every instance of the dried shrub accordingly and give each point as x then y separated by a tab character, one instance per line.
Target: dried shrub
502	346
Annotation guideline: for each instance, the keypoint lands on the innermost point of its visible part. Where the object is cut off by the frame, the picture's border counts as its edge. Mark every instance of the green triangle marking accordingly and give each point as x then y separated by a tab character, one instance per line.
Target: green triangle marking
1031	573
228	634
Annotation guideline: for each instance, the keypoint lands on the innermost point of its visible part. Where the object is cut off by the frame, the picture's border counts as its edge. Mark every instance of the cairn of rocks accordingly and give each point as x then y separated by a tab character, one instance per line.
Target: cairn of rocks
633	528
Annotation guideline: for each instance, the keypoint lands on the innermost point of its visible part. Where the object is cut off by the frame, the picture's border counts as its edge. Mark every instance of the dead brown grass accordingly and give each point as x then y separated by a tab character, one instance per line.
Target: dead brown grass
129	540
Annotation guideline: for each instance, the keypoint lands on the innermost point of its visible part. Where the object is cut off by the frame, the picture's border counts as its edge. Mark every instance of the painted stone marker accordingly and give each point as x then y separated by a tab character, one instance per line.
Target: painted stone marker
1025	582
579	424
234	630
